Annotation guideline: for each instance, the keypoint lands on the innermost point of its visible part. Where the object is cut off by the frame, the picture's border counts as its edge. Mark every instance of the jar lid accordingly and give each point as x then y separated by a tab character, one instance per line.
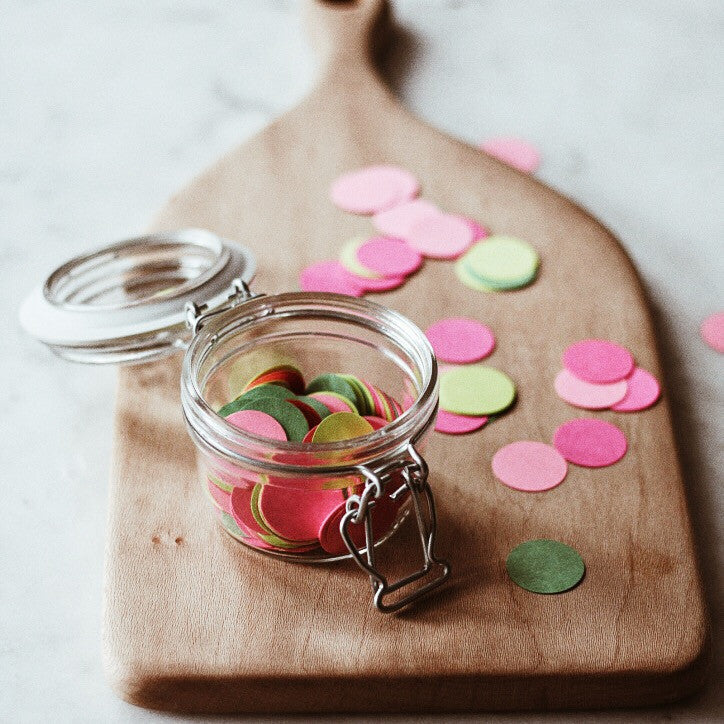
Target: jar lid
127	302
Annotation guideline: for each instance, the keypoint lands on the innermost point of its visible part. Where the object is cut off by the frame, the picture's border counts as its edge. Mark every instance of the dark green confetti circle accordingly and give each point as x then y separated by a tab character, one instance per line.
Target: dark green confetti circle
545	566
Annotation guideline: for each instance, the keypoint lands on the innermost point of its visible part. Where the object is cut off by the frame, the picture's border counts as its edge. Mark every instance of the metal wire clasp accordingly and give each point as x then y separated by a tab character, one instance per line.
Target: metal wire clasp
360	509
198	314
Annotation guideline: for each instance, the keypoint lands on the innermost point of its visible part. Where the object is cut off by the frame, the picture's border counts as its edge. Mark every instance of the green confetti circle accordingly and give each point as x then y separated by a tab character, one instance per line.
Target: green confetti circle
545	566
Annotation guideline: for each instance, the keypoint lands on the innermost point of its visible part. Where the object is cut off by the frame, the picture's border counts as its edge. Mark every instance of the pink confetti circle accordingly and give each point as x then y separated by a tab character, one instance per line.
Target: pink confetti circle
452	424
479	232
598	360
297	514
643	391
460	340
514	152
441	236
588	395
372	189
389	257
329	276
397	220
590	443
220	497
258	423
530	466
712	331
377	422
241	511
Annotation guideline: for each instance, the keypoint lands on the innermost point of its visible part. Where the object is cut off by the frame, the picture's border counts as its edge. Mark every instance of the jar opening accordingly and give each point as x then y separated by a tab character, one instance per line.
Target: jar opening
322	333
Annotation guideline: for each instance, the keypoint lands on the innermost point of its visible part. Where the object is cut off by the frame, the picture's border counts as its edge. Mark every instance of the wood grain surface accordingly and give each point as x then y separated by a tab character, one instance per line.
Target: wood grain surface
195	622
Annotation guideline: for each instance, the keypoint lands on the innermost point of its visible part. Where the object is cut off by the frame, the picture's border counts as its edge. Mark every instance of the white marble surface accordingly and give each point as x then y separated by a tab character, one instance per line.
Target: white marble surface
107	107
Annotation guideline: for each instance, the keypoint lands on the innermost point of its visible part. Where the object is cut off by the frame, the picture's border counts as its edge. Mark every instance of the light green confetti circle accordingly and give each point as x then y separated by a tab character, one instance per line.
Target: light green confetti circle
502	261
476	390
349	260
545	566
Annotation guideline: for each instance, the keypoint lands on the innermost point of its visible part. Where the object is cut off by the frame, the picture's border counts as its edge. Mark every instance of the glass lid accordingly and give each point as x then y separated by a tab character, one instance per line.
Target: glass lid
127	302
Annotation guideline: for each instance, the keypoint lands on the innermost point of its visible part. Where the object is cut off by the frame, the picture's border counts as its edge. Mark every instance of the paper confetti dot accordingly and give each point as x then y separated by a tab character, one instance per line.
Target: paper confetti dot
441	236
468	279
502	262
460	340
476	390
590	442
396	221
389	257
598	360
297	514
329	276
545	566
372	189
258	423
341	426
529	465
514	152
348	258
588	395
712	331
452	424
643	391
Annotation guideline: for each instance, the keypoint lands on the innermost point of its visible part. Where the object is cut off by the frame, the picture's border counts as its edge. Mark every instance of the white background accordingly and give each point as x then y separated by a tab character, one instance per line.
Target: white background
107	107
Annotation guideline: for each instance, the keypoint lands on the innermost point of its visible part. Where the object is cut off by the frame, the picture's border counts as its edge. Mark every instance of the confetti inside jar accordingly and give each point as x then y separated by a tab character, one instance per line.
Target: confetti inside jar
293	400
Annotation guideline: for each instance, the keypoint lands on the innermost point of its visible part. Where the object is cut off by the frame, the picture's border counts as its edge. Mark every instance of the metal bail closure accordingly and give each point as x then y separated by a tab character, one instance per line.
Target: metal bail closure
129	302
360	509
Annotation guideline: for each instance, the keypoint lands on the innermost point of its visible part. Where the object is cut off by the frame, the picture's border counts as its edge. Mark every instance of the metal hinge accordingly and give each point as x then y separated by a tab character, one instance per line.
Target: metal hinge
198	314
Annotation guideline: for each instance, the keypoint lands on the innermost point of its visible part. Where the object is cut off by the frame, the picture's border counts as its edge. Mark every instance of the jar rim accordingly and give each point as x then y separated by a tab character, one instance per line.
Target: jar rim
205	423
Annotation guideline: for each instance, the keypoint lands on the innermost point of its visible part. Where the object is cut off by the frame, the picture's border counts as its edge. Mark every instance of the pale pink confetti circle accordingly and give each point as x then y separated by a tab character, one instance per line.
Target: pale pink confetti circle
372	189
514	152
258	423
397	220
389	257
588	395
329	276
460	340
598	360
590	443
712	331
530	466
441	236
643	391
452	424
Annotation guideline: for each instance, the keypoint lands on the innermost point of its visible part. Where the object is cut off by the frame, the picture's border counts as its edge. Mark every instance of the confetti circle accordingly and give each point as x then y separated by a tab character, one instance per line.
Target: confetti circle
441	236
590	443
329	276
598	360
460	340
476	390
296	515
259	423
479	232
397	221
468	279
372	189
502	262
545	566
348	259
514	152
452	424
389	257
341	426
382	284
643	391
528	465
712	331
588	395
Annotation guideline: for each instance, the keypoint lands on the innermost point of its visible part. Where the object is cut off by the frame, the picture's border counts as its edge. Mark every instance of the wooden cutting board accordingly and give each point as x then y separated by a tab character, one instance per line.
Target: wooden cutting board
194	622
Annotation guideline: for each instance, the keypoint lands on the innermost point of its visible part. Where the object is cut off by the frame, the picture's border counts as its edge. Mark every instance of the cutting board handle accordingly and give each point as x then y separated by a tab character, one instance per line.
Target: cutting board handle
347	34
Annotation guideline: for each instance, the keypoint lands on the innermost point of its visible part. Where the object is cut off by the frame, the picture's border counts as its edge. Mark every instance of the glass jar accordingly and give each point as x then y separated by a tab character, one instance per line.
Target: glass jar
332	500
